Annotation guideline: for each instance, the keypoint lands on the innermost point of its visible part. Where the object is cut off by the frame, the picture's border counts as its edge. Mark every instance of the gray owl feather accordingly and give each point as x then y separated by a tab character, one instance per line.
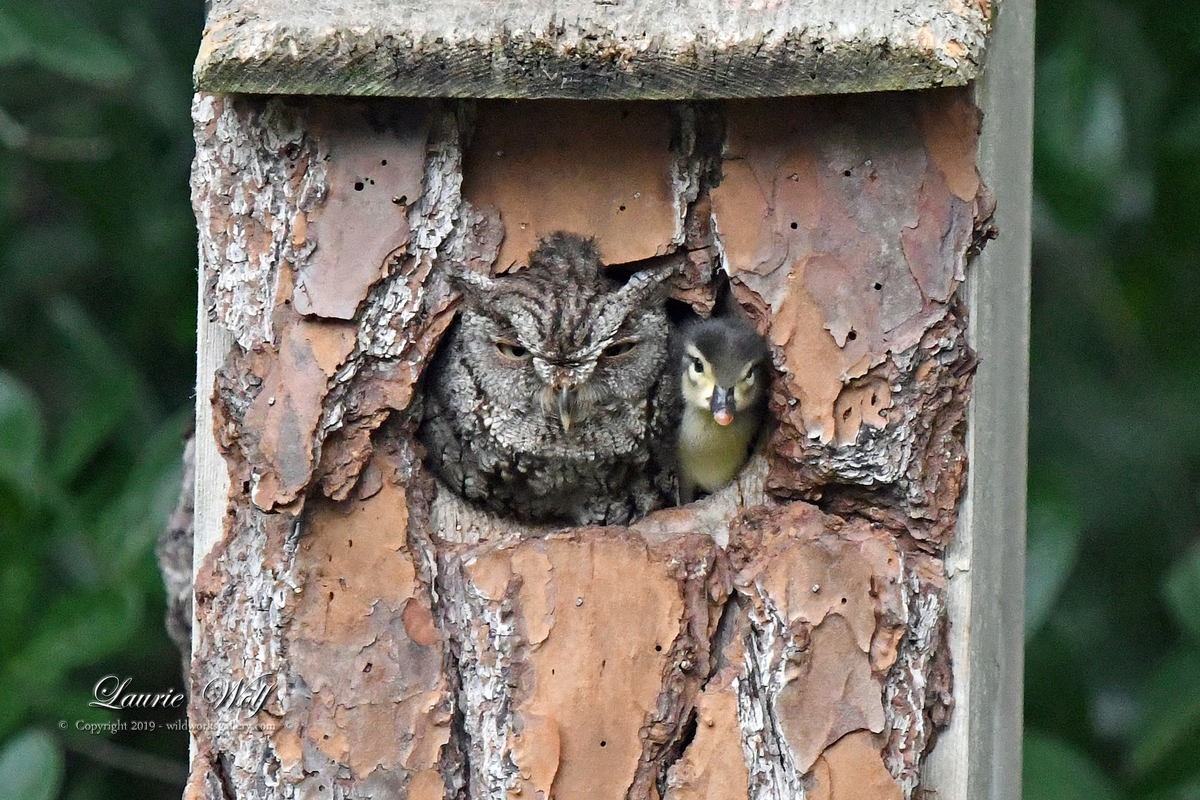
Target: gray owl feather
550	400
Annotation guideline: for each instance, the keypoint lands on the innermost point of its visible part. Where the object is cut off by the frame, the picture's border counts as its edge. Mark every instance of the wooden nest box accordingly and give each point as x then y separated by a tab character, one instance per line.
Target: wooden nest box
806	632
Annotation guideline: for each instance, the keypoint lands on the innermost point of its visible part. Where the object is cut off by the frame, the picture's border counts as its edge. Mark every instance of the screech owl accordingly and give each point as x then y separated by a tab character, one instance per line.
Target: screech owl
551	399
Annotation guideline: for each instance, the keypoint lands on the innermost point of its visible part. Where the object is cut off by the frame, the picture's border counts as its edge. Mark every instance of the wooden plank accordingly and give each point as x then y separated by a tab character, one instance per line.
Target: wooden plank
213	341
590	49
979	755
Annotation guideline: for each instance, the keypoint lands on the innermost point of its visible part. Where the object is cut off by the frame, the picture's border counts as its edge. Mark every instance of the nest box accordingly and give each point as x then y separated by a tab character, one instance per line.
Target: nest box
807	631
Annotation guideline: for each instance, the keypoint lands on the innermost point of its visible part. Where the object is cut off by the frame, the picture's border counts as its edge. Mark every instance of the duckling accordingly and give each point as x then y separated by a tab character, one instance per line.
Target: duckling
725	374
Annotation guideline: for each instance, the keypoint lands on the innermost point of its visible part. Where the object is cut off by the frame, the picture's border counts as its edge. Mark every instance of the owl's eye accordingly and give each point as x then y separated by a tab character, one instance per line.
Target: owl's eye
618	349
697	366
510	350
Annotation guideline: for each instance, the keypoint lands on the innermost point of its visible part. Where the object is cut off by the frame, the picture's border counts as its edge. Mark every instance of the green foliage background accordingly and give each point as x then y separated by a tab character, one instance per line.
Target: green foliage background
1112	677
97	343
97	309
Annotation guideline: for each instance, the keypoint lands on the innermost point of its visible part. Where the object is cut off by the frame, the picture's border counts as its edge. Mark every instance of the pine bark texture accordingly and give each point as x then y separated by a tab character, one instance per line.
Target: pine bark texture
783	638
590	49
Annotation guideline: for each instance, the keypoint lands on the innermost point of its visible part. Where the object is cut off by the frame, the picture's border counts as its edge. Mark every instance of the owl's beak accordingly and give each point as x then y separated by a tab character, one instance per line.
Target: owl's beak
722	405
565	400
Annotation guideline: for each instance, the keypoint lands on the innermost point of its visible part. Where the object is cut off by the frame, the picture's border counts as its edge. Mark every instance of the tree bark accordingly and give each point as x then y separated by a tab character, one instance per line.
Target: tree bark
782	638
590	50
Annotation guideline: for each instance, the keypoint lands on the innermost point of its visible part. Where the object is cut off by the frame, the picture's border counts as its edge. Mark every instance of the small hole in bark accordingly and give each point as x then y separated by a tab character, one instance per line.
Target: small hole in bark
367	668
245	486
603	743
383	163
847	173
622	208
843	601
874	399
331	595
287	302
878	286
552	671
846	414
349	543
794	226
658	648
358	186
852	336
372	180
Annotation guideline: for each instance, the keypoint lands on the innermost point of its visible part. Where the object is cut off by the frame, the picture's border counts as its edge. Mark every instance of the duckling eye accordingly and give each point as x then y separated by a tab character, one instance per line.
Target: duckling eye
748	380
697	366
510	350
618	349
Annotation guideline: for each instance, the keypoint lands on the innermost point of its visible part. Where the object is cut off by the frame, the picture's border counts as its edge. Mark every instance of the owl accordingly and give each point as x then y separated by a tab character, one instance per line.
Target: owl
551	400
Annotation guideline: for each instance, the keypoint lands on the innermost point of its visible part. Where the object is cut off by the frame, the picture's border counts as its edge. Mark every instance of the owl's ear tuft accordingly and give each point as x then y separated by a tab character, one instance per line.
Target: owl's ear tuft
475	287
645	284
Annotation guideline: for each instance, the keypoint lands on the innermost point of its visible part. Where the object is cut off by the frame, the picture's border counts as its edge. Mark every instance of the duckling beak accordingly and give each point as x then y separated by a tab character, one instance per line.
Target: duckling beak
722	405
565	400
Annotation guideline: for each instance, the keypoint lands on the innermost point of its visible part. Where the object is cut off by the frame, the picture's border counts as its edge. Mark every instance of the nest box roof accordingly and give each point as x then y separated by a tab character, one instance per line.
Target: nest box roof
621	49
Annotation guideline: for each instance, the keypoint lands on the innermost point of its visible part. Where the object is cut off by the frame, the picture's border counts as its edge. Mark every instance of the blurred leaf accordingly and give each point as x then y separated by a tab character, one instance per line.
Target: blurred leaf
89	787
1181	588
129	527
67	46
20	435
44	256
71	701
1052	548
14	45
1188	789
1078	147
31	766
1053	770
1171	715
78	629
108	384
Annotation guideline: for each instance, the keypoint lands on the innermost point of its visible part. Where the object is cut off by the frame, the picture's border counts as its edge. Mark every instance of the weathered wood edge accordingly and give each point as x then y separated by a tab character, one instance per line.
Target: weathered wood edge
699	49
212	478
979	755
